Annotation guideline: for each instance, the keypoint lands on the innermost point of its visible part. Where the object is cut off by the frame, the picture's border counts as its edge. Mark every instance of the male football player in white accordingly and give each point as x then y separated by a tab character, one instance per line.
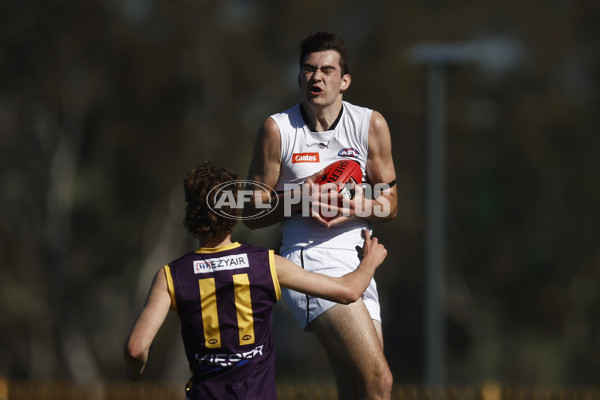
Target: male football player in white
292	147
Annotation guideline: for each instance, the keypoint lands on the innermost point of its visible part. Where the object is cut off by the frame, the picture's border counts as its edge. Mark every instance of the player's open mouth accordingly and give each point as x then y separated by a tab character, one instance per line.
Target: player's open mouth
315	90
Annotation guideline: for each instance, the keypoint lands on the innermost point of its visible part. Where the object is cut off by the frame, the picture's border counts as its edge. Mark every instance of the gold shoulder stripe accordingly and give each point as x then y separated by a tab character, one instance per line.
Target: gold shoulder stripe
274	274
170	287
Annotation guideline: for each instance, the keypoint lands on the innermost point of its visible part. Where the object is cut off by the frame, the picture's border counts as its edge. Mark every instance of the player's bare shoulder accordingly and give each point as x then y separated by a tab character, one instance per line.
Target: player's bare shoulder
267	153
378	125
269	129
380	141
268	139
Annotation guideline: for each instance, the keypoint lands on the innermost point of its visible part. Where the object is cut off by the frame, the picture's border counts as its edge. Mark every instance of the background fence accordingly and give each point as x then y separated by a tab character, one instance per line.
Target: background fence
38	390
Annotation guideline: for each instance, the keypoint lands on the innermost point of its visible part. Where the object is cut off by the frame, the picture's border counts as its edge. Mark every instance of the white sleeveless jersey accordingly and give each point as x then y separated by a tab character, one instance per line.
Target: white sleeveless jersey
304	153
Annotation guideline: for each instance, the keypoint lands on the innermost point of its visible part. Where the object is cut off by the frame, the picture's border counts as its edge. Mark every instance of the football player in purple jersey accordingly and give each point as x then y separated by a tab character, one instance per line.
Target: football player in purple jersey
224	293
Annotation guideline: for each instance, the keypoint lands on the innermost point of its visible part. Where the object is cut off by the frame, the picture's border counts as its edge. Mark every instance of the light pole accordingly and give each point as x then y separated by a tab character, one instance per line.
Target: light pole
494	55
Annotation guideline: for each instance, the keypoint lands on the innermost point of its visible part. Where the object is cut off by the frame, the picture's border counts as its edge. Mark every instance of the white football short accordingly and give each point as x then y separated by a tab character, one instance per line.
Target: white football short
332	262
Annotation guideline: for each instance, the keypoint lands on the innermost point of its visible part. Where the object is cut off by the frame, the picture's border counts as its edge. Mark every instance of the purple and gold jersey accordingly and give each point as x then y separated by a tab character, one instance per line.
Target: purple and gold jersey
224	298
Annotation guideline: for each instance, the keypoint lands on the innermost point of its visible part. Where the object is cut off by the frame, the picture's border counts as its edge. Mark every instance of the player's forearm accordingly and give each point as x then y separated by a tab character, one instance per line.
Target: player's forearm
374	254
384	208
279	207
263	221
357	281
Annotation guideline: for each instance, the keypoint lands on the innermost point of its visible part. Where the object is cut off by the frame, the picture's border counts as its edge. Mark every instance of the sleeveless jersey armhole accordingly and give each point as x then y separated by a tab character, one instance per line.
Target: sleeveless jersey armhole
274	274
170	287
366	128
283	139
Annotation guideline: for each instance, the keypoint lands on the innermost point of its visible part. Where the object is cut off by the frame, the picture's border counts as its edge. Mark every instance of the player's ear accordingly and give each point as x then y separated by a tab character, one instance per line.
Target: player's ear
299	81
346	80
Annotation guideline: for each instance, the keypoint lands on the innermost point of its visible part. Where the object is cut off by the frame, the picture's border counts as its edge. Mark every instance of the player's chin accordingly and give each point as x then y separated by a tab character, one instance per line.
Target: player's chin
315	98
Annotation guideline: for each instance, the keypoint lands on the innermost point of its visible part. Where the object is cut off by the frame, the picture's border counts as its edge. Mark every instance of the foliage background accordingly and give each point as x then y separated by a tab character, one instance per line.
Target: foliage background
105	105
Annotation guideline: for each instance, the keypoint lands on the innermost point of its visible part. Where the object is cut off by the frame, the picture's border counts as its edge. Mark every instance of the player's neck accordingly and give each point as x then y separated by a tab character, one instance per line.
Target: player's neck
321	119
216	243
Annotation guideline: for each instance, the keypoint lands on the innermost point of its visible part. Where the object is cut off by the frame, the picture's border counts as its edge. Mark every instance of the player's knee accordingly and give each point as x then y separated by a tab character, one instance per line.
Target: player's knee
381	383
387	382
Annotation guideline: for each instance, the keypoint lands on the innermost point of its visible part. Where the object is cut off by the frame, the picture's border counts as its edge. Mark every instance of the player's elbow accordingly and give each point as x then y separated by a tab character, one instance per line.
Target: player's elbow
253	223
249	223
349	296
390	213
346	300
383	209
259	222
393	213
135	357
135	350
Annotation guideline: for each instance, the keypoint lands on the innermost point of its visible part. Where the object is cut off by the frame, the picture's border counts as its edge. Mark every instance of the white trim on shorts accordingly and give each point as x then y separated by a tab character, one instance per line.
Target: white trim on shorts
332	262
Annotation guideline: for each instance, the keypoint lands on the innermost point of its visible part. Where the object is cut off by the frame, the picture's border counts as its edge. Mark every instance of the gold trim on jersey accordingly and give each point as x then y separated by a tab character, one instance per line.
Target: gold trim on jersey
274	274
203	250
170	287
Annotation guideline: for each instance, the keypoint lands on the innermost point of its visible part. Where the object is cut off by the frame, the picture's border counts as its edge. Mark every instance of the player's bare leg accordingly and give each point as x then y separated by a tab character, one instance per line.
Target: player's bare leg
346	385
377	325
354	346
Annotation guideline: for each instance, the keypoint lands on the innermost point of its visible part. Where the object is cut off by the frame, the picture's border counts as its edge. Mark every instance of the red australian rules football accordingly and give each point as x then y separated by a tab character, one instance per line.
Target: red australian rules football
340	172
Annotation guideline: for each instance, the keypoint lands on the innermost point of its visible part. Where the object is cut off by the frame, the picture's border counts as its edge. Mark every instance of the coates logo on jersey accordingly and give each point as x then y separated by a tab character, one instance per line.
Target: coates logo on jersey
229	198
348	152
305	157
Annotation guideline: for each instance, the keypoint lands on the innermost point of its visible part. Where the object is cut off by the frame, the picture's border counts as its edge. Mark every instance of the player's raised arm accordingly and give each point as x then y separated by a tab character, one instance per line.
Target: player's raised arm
382	203
380	169
264	168
345	289
137	346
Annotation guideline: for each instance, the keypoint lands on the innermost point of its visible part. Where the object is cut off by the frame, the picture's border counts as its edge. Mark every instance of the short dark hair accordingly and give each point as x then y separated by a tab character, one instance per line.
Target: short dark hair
325	40
200	220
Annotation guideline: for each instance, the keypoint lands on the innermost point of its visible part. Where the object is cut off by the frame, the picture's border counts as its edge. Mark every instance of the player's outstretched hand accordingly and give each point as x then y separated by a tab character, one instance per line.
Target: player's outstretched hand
373	250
